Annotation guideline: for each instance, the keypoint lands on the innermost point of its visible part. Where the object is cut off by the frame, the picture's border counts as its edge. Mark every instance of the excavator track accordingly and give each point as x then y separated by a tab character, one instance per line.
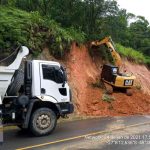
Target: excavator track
108	88
129	92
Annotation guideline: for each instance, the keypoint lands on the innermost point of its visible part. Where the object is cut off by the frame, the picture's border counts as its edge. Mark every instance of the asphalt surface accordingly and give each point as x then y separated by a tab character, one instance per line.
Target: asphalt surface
71	133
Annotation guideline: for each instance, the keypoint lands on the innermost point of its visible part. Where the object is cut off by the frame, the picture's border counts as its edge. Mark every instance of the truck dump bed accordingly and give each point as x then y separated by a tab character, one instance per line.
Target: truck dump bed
7	72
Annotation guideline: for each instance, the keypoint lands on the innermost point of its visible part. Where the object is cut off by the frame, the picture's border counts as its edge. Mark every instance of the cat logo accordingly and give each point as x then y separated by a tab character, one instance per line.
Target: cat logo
128	82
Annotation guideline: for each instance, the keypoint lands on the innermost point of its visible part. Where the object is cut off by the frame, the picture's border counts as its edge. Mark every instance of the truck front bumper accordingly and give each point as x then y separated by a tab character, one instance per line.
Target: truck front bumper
65	108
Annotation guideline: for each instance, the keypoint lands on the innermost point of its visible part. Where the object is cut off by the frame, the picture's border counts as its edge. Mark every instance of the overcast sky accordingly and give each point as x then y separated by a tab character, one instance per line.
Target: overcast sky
137	7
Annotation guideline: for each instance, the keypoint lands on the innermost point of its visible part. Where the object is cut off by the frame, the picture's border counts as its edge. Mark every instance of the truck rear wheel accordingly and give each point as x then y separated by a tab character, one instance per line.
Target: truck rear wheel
16	84
43	121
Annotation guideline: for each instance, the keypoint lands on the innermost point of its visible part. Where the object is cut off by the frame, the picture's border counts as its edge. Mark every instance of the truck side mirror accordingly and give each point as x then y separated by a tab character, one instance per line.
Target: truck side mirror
64	79
63	85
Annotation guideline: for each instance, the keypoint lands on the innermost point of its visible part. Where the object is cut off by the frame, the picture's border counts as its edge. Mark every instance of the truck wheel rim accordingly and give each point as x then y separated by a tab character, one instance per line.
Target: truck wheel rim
43	121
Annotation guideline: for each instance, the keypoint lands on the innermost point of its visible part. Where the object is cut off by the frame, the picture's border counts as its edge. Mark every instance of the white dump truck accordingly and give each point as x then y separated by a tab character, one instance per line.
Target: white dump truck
34	98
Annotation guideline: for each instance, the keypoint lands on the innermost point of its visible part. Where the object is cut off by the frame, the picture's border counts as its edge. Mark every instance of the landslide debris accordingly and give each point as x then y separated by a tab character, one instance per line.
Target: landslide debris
84	70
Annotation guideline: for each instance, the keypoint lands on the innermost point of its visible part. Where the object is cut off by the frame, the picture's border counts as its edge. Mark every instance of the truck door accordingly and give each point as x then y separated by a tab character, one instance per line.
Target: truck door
52	81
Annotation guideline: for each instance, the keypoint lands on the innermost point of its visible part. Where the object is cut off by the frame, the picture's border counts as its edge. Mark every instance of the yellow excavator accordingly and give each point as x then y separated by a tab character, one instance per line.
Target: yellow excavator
111	75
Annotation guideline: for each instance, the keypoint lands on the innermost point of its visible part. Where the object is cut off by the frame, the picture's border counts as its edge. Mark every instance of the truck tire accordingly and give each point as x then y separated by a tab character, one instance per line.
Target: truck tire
16	83
43	121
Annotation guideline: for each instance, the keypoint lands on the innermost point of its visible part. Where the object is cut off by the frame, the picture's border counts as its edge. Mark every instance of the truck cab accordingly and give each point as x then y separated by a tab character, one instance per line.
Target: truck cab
34	98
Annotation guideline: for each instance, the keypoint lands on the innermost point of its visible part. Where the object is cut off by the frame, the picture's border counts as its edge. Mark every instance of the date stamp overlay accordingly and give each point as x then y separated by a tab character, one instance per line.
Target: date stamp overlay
140	139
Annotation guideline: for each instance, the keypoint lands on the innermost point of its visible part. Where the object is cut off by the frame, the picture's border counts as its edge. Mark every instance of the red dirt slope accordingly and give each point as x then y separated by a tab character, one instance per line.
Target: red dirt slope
84	70
142	74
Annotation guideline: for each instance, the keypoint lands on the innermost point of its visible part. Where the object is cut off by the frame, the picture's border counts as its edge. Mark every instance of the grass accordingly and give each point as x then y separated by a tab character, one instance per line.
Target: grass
19	27
131	54
147	61
108	98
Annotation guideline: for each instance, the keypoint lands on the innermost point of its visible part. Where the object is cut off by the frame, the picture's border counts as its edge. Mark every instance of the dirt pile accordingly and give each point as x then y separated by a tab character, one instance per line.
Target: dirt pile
83	71
142	74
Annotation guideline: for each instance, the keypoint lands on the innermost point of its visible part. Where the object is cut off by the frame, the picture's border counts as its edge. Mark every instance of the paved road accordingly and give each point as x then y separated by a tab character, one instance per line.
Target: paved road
69	133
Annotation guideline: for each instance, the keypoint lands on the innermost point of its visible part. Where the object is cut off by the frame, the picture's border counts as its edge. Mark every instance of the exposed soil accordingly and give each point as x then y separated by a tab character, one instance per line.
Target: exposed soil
84	70
142	74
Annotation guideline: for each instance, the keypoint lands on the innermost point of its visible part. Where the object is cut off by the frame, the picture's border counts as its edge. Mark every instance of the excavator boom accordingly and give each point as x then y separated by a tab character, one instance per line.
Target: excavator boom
109	43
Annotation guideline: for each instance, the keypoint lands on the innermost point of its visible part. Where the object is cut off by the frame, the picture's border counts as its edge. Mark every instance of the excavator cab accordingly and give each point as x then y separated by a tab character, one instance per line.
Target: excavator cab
110	74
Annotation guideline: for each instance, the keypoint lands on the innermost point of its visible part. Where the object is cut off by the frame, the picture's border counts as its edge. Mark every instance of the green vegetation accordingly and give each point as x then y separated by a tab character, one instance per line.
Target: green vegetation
31	29
56	23
147	61
107	98
130	53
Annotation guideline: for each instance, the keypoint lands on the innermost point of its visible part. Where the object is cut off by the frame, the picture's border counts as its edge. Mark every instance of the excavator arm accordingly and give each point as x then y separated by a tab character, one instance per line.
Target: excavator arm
109	43
110	74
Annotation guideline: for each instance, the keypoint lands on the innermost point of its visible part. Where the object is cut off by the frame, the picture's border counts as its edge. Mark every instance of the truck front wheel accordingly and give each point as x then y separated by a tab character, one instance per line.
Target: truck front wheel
43	121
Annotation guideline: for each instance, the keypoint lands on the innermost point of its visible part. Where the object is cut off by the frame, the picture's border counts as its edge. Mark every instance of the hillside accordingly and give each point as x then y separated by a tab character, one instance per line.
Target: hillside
50	34
84	70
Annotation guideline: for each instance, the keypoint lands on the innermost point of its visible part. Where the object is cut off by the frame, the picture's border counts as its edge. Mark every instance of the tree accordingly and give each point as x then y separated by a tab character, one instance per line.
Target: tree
140	34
